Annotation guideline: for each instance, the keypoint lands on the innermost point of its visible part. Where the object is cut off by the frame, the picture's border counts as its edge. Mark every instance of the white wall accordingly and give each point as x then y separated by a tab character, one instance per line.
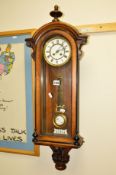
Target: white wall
97	87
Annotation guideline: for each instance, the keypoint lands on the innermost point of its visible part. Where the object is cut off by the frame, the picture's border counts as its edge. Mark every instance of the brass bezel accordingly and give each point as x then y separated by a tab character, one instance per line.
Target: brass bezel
57	37
63	116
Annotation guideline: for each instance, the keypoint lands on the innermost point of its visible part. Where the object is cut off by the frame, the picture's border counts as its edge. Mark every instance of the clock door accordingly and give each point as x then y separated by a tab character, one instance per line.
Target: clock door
57	70
56	106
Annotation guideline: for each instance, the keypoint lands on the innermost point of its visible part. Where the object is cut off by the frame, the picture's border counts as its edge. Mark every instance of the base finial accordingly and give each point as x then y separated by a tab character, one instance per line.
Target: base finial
60	157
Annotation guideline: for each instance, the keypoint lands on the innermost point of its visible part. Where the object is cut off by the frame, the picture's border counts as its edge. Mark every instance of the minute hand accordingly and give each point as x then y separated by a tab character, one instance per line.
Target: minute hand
58	50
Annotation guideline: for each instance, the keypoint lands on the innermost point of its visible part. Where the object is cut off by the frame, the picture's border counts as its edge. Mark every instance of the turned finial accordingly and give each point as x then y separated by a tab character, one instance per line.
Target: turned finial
56	13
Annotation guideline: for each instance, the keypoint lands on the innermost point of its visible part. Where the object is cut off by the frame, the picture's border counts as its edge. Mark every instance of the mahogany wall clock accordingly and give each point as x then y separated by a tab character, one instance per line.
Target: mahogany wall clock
56	50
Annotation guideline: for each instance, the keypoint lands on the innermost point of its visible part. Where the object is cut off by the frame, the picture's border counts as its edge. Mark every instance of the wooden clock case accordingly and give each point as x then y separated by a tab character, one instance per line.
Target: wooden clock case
61	144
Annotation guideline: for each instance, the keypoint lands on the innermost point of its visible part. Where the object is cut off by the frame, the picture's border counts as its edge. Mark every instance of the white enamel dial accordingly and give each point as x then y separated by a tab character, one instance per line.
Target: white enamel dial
59	120
57	51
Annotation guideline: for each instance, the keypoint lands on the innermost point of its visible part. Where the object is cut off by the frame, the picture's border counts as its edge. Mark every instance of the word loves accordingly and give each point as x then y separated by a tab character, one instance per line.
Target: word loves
12	134
12	138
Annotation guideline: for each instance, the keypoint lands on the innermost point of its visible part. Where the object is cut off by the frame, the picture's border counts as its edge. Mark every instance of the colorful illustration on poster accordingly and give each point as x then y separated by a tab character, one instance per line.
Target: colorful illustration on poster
7	59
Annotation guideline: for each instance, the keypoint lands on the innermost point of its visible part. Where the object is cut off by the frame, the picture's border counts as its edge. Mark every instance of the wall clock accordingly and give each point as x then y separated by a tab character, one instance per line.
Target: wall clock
56	51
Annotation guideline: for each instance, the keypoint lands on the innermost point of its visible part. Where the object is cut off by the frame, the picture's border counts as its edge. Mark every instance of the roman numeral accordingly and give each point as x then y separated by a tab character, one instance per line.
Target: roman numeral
48	56
47	51
65	56
66	50
57	41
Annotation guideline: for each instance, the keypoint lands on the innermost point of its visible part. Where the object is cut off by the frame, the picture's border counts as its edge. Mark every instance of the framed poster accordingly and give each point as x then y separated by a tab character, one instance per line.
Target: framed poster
16	94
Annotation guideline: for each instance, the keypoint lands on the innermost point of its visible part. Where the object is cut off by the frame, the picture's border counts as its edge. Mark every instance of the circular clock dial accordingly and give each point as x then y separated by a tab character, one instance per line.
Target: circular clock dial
57	51
59	120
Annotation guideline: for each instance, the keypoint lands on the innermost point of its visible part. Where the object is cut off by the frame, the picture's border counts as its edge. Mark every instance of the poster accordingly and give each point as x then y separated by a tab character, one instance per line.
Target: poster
16	95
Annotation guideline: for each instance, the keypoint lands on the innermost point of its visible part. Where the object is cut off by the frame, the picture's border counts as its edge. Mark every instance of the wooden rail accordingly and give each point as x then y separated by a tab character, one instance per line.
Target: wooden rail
17	32
97	28
88	28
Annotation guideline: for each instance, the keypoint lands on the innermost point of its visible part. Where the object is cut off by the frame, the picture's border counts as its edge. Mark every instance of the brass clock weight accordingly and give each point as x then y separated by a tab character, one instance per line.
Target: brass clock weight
56	51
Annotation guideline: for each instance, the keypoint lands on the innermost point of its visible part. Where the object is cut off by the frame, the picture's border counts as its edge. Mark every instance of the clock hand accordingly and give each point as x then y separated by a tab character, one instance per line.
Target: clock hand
58	50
